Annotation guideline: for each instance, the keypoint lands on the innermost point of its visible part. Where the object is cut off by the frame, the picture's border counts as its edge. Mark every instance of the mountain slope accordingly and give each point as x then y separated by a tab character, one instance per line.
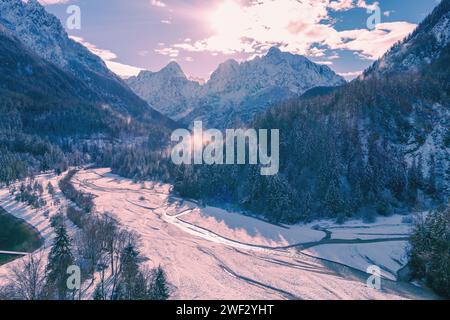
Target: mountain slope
423	47
46	100
43	34
378	145
59	104
169	91
235	91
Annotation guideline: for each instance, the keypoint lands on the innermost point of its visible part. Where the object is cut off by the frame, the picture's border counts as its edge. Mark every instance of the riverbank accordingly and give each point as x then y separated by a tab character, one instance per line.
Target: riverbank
16	235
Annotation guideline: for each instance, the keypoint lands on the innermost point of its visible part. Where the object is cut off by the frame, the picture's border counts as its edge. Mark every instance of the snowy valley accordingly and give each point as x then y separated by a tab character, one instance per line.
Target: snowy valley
240	257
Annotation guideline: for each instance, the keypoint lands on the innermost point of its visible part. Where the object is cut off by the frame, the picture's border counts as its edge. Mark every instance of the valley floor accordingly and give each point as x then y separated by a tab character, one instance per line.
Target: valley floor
209	253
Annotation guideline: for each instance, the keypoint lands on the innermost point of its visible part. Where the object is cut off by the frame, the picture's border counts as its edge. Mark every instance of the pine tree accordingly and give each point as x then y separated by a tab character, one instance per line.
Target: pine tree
59	259
132	285
98	295
159	289
430	251
333	199
50	189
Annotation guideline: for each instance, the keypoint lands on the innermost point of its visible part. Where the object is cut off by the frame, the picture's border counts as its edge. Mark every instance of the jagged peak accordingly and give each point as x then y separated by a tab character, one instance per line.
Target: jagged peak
23	12
174	69
276	56
274	51
227	66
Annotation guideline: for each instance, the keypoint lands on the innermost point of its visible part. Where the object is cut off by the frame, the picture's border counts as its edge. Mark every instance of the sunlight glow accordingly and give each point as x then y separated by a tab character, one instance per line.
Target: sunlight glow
228	19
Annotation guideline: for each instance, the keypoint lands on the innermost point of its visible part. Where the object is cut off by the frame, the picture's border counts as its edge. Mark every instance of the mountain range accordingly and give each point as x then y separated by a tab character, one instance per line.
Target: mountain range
377	145
55	95
235	92
43	34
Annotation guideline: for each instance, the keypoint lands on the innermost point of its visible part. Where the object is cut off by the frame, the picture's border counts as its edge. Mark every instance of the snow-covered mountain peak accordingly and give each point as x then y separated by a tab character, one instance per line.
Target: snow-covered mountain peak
42	33
273	51
225	69
168	90
173	69
421	48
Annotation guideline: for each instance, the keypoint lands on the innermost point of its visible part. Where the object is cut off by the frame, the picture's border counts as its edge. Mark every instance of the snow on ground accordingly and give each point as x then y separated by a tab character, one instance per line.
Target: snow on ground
359	245
250	230
208	261
384	227
34	217
388	256
37	218
209	253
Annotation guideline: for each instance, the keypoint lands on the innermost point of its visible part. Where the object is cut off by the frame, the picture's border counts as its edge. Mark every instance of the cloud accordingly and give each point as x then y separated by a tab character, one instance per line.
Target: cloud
143	53
372	44
351	75
157	3
339	5
343	5
327	63
166	21
50	2
253	26
122	70
173	53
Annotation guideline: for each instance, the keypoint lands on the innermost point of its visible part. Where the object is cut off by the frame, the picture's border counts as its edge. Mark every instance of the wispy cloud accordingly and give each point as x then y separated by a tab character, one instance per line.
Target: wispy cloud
351	75
372	44
300	27
171	52
339	5
122	70
158	3
50	2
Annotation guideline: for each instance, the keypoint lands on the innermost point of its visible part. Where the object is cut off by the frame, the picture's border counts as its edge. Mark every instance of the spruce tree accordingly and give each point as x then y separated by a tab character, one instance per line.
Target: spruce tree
59	259
132	284
159	289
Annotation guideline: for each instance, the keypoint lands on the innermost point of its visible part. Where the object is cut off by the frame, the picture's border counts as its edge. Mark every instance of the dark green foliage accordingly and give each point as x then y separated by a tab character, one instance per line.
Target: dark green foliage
132	285
430	251
340	154
59	259
16	235
159	289
50	119
50	189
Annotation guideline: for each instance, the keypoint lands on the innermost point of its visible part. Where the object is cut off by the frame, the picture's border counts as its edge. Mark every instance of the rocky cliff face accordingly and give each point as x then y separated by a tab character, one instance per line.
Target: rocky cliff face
235	91
42	33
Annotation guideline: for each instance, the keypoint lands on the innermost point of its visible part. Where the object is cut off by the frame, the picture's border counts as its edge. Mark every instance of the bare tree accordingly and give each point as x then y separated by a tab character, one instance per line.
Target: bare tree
89	242
27	280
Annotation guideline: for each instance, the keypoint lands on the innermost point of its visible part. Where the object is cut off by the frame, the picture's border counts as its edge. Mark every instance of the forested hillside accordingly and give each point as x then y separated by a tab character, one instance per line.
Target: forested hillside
378	145
52	112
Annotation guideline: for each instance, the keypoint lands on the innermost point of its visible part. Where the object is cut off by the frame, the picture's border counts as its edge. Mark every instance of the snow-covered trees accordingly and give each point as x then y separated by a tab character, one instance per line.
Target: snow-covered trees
159	289
27	281
430	251
81	199
131	280
59	260
359	150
